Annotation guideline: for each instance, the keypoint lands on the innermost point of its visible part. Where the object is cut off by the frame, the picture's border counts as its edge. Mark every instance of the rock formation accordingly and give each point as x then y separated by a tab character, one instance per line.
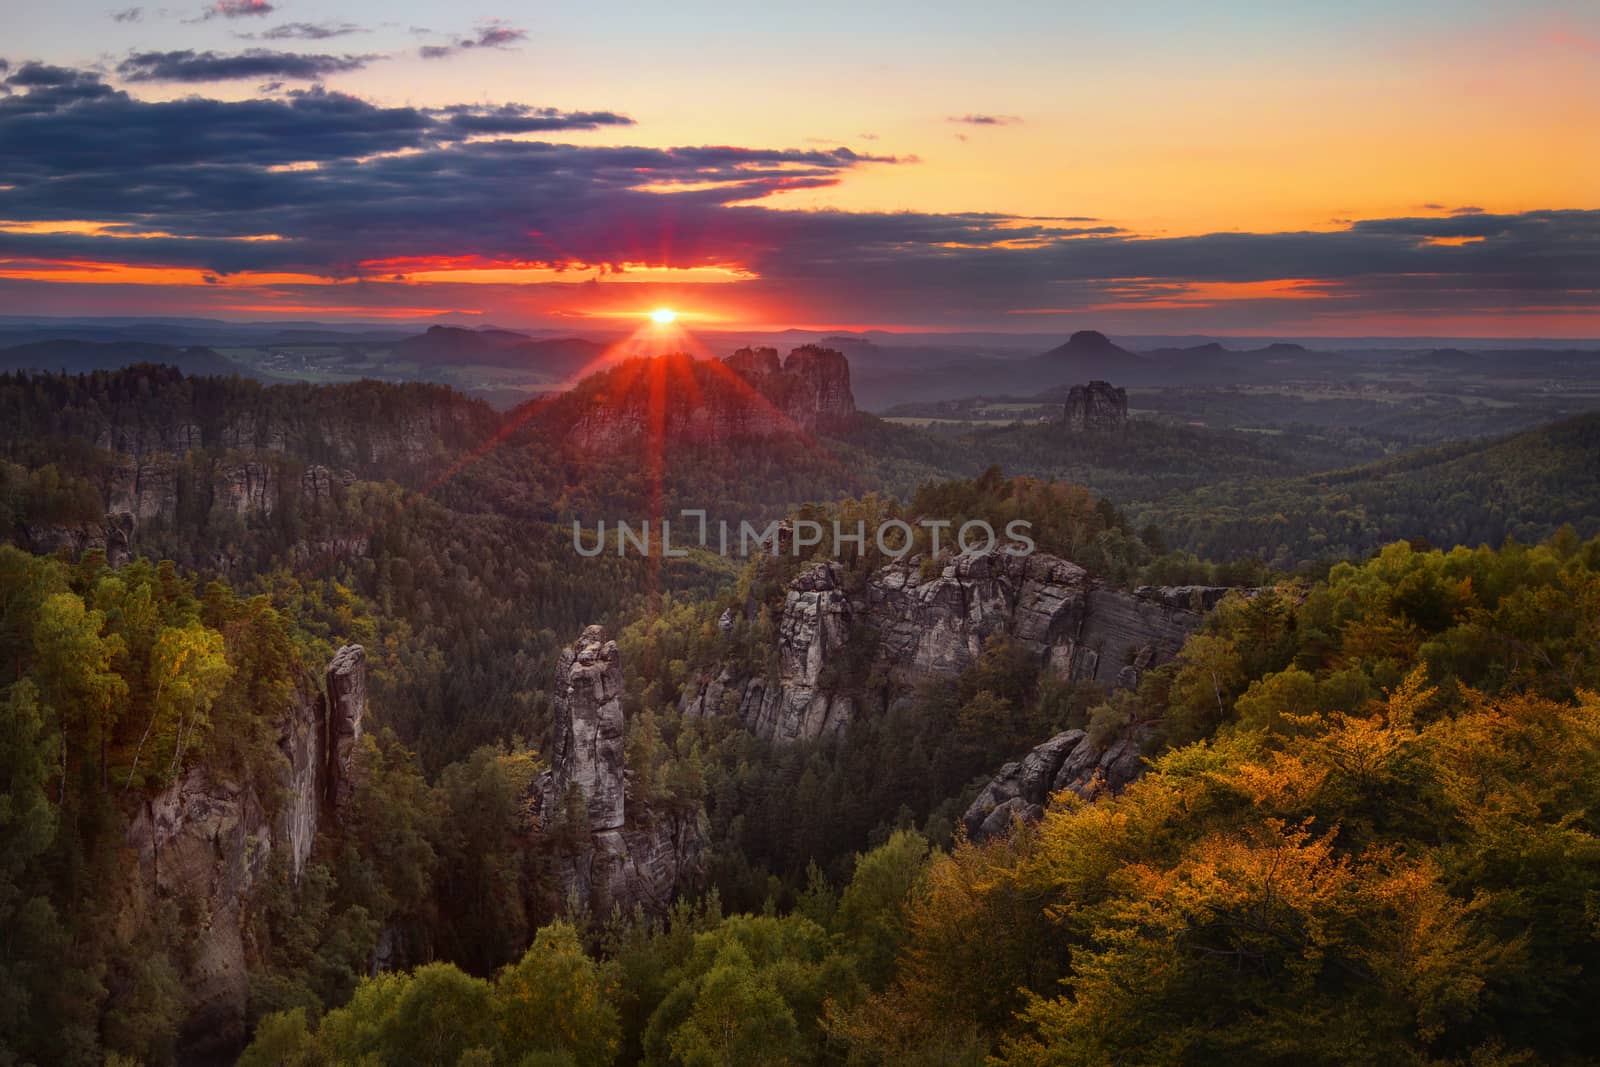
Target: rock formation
207	841
346	706
245	450
750	394
586	752
622	856
1098	407
905	630
1069	760
813	387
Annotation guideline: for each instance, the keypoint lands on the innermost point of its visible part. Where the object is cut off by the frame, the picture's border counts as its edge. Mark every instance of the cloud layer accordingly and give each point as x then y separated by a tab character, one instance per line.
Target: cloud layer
329	187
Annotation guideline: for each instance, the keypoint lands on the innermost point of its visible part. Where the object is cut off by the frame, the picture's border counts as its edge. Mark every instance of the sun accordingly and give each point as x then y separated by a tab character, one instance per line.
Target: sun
664	316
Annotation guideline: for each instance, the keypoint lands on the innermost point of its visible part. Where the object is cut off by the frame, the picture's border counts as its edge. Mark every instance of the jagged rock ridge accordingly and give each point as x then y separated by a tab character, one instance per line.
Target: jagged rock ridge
909	629
751	394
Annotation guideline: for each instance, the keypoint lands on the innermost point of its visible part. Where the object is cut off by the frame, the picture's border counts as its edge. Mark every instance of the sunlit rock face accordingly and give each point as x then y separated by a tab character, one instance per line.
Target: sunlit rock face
843	654
1098	407
814	386
751	394
755	364
617	855
207	839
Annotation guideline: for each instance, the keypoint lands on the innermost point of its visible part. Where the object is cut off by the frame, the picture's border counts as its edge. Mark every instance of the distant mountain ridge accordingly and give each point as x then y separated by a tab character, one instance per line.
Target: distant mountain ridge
557	358
81	357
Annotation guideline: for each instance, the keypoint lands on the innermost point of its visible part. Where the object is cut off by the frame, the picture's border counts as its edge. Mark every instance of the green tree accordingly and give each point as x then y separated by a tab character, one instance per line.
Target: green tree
871	917
73	668
187	671
430	1017
555	1001
33	938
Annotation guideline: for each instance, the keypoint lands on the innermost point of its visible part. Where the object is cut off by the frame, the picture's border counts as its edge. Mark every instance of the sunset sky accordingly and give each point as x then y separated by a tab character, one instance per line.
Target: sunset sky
1358	168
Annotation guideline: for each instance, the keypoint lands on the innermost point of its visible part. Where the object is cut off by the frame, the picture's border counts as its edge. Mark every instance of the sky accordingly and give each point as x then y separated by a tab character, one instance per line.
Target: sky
1423	168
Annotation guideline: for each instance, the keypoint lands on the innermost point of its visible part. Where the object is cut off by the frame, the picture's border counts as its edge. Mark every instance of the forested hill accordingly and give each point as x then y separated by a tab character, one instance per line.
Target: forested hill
1469	493
373	429
77	357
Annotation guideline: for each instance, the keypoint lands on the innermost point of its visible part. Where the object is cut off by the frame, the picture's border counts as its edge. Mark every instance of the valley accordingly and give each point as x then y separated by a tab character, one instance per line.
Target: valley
417	737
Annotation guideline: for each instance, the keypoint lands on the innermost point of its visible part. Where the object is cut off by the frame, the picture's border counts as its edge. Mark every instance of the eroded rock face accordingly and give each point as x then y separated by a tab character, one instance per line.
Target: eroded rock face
1098	407
811	386
623	856
753	364
247	487
588	747
253	455
347	705
907	629
302	739
749	395
817	389
816	625
207	841
1069	760
646	864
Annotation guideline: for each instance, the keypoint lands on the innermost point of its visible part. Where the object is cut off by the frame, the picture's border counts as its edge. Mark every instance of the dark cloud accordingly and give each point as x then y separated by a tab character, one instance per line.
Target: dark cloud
352	190
311	31
33	75
985	120
1470	209
191	66
49	90
489	35
236	9
128	14
78	133
467	121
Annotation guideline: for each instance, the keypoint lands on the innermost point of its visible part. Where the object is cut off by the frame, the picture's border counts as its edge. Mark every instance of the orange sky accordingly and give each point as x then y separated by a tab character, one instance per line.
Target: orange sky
1151	120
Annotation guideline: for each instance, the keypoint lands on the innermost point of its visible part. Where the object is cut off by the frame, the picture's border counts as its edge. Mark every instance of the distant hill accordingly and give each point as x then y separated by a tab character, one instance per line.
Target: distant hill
1510	363
555	358
1207	362
1476	492
80	357
1091	354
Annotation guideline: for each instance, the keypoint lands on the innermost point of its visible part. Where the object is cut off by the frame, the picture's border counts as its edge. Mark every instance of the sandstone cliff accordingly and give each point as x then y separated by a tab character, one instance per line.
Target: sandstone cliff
811	387
205	841
1098	407
751	394
161	448
619	855
905	629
